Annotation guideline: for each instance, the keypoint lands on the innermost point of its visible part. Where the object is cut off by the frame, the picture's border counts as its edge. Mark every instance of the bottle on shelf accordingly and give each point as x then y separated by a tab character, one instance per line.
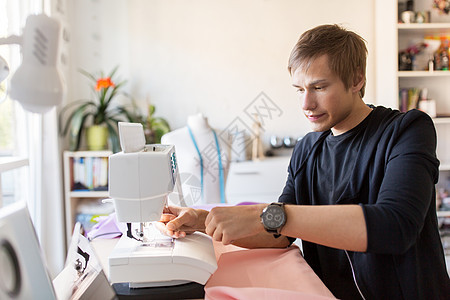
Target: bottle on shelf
444	56
441	57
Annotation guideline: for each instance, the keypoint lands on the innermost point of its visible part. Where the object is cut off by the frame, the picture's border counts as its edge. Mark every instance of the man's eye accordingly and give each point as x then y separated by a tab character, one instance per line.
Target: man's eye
318	88
301	90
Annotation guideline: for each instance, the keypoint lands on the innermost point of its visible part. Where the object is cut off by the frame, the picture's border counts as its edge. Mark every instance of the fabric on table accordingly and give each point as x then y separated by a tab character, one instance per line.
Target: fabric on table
264	274
107	228
251	293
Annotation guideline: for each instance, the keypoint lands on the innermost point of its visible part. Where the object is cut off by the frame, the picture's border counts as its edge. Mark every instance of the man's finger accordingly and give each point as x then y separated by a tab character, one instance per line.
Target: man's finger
176	223
166	218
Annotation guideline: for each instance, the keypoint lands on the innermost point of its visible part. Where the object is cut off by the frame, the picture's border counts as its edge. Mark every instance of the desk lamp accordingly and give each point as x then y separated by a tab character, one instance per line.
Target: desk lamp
37	83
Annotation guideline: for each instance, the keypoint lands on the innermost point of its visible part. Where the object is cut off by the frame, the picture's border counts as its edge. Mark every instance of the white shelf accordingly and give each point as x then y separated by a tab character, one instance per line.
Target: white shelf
443	213
78	154
423	26
442	120
444	167
89	194
411	74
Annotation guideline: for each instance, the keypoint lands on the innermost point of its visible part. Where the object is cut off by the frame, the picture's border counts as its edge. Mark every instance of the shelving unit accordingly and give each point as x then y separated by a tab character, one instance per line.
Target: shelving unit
85	184
438	84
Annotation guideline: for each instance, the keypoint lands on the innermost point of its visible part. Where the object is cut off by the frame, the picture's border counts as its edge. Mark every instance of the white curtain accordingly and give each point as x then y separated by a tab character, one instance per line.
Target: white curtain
37	138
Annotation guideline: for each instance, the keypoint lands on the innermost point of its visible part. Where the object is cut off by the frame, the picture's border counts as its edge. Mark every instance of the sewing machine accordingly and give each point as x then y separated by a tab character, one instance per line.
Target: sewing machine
140	179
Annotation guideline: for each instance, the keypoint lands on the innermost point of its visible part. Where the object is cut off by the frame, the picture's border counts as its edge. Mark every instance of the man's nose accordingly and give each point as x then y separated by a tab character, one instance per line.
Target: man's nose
308	101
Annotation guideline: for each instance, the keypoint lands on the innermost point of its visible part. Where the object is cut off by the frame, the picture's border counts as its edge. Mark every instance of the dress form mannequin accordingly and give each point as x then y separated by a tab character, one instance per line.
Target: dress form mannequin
190	165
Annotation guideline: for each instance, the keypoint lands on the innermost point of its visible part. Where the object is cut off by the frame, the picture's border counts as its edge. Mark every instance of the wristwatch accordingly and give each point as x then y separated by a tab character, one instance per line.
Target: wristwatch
273	218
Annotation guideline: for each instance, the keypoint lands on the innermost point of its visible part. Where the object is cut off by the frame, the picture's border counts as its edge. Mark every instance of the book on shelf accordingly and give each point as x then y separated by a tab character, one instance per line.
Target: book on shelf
415	98
89	174
409	98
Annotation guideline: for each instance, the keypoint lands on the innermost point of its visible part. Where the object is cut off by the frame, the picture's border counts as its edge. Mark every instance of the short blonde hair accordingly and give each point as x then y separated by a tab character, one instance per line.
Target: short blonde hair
346	52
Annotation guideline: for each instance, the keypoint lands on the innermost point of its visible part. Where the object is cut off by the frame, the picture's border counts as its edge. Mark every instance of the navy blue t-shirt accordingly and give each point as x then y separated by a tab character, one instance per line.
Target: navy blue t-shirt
334	163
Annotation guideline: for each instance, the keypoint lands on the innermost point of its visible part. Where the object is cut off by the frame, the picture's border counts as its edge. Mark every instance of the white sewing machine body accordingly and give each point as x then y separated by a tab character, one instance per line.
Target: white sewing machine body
140	179
163	262
140	182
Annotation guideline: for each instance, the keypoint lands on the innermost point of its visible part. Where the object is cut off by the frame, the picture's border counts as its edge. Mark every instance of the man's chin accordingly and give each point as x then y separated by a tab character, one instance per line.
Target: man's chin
316	128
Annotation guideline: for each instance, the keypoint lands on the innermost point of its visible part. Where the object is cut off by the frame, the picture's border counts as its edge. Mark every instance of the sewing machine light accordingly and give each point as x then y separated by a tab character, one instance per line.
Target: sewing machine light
37	83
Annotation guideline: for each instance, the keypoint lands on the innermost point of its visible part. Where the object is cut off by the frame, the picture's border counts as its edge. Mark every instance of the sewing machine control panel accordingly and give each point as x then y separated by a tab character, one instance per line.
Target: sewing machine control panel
173	166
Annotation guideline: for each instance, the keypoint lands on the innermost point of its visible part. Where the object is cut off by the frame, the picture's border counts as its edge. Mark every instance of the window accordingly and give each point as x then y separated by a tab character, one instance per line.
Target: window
14	178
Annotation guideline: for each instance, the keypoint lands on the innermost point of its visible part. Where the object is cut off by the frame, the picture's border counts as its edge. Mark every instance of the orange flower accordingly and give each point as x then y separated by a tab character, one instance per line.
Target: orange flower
104	83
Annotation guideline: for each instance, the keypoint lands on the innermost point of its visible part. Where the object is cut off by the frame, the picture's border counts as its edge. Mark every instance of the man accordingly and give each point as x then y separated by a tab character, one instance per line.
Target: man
360	193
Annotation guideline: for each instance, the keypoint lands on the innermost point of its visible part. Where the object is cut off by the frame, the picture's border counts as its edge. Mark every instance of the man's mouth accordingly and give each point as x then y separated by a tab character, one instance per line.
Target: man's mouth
314	117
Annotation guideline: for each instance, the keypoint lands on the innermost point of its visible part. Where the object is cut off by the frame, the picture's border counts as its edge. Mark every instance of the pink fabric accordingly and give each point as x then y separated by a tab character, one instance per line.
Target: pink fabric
231	293
264	274
220	249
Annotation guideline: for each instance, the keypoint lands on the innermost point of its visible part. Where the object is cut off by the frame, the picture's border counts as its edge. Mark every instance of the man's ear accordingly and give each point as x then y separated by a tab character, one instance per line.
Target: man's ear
358	82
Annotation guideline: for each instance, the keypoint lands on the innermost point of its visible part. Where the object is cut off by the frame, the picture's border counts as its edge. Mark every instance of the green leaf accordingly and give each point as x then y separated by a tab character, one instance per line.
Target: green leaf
113	136
113	72
151	110
158	135
78	133
131	117
76	115
88	75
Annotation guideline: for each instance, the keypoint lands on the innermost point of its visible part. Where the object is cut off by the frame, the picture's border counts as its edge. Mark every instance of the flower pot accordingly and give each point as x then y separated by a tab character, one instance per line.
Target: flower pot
97	137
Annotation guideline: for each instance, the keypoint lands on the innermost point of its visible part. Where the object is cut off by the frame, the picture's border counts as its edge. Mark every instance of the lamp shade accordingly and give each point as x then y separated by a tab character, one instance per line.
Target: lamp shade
4	69
37	83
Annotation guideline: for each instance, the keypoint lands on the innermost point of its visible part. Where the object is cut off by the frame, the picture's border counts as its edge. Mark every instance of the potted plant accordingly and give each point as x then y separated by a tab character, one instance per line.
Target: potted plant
99	116
154	127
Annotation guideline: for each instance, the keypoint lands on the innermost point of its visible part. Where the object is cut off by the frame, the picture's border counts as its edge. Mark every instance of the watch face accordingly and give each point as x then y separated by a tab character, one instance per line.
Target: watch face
273	217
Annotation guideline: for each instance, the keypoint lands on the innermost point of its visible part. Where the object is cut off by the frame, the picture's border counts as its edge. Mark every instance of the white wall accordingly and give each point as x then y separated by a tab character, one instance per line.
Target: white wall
206	56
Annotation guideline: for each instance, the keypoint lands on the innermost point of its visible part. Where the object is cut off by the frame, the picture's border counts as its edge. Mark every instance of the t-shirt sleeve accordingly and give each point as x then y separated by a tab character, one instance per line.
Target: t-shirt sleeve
288	194
406	192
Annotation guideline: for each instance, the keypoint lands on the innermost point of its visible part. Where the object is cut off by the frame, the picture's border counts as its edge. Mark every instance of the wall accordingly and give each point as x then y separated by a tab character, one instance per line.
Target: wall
213	57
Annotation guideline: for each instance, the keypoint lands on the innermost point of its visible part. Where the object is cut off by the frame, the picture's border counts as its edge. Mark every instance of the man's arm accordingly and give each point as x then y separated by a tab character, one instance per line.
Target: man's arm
338	226
182	220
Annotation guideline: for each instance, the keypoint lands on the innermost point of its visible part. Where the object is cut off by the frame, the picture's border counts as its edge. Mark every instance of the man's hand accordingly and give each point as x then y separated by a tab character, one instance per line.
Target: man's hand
178	221
228	224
